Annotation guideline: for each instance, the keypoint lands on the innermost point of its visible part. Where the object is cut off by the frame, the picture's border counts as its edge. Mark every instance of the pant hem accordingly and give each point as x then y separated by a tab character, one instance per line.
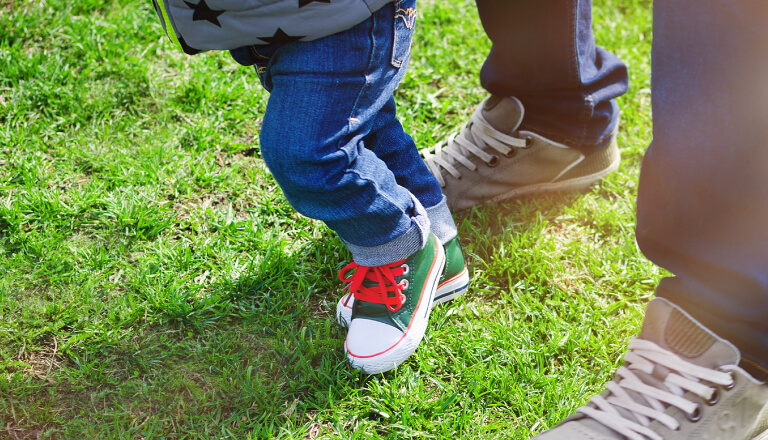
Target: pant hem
398	248
441	221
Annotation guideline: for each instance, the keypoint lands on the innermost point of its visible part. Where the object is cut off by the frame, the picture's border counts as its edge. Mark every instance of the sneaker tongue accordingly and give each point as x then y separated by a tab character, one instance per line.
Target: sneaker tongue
673	329
503	113
372	309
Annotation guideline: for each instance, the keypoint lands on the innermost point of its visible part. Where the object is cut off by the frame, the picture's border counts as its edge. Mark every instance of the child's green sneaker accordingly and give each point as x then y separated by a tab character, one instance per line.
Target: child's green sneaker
455	277
452	284
392	307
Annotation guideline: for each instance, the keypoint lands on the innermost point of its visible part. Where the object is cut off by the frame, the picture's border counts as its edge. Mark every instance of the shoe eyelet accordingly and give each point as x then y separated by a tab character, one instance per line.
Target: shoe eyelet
696	416
511	153
732	385
714	399
404	284
528	141
406	269
493	162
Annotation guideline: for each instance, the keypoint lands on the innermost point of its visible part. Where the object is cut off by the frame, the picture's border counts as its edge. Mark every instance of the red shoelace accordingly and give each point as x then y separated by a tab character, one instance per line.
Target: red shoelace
384	290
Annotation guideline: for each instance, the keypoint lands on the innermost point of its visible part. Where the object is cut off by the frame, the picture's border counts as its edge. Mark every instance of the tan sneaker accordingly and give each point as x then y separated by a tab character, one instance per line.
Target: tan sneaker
679	381
490	160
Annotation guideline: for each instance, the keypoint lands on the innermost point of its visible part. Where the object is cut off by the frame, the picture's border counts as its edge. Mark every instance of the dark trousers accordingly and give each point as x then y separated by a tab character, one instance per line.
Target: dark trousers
702	209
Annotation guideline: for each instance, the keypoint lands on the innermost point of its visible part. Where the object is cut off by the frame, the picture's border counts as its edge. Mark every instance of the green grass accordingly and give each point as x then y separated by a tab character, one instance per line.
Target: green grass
155	284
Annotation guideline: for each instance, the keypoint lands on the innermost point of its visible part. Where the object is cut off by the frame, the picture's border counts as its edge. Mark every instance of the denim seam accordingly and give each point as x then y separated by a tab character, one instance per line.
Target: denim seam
754	364
263	71
256	53
588	109
351	119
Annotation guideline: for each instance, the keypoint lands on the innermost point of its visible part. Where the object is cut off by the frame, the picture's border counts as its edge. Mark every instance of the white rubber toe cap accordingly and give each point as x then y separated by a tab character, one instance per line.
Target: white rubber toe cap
368	338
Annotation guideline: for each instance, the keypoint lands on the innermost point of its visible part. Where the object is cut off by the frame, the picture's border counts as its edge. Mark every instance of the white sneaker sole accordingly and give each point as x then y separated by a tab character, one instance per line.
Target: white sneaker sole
404	348
453	288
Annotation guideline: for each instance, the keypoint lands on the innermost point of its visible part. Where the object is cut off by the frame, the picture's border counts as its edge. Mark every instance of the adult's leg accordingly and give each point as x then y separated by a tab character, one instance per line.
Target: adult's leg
698	368
703	195
544	53
551	121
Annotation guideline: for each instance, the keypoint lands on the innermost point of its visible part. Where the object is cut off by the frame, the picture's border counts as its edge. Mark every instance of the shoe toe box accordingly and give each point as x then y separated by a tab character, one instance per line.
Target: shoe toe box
368	338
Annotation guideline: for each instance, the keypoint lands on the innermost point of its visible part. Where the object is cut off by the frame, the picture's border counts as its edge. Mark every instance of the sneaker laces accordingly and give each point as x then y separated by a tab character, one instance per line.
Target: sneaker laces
633	392
474	137
381	288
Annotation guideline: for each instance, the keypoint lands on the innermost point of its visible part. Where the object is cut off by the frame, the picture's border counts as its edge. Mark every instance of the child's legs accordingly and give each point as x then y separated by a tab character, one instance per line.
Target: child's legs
325	96
396	148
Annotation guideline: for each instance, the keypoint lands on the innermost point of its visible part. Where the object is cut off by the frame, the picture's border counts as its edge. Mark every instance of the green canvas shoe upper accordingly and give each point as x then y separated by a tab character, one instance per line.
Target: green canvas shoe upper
453	282
392	307
390	294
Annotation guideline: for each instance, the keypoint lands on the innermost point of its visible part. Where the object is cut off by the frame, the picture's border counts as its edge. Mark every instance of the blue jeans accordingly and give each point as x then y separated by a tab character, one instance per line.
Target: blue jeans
331	138
702	209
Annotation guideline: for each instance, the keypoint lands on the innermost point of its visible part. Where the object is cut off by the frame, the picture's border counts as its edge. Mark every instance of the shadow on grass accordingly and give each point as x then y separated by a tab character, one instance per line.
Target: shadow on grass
250	356
256	355
506	231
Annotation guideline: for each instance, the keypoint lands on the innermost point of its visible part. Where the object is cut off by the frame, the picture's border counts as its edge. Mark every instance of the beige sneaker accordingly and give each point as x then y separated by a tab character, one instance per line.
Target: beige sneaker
679	381
490	160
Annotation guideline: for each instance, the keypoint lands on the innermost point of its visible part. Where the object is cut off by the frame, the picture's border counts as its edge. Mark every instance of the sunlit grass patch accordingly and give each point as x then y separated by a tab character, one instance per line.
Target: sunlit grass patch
155	283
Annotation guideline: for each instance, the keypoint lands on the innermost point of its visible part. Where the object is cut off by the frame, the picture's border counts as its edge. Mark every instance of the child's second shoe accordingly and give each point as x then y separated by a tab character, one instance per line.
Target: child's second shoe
452	284
391	308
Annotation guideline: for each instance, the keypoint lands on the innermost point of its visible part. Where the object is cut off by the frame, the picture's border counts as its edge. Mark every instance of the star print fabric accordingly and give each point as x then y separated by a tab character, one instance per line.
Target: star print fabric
201	25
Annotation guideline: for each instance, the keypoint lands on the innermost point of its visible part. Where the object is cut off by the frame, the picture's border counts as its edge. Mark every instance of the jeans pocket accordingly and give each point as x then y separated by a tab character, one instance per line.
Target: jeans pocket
261	56
405	20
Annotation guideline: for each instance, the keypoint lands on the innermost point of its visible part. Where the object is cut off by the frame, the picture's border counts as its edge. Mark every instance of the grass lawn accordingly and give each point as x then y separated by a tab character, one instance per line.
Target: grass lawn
155	283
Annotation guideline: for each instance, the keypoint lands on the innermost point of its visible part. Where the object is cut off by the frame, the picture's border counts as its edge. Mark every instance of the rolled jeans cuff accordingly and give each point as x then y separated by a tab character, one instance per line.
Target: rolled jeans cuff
441	221
398	248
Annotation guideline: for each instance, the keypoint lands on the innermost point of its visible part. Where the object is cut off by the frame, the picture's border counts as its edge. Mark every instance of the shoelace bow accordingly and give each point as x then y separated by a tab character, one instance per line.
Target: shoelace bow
642	358
473	137
384	288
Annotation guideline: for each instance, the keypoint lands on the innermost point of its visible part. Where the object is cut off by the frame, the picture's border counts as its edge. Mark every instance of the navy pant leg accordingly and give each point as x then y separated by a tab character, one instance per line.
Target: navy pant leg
703	196
544	53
